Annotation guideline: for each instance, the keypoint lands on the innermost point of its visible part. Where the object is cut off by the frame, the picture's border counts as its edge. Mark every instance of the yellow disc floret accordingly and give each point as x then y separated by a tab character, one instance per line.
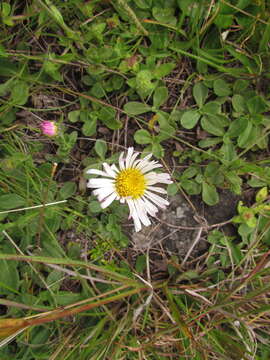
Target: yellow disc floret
130	182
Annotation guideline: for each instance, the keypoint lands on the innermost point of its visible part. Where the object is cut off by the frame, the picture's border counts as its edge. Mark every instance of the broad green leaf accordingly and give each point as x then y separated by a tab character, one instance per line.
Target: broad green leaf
262	194
158	150
9	277
239	103
142	137
73	116
245	137
108	117
209	194
257	105
221	88
94	206
101	148
136	108
67	190
212	107
163	70
200	93
237	126
11	201
240	86
160	96
89	127
209	142
212	125
190	118
191	186
172	189
20	93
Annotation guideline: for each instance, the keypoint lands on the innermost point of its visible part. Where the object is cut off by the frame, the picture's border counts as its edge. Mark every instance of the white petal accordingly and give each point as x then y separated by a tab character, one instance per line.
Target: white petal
157	189
150	208
109	170
129	155
97	172
115	168
99	183
102	193
134	215
140	209
132	159
158	200
149	167
154	178
108	200
121	161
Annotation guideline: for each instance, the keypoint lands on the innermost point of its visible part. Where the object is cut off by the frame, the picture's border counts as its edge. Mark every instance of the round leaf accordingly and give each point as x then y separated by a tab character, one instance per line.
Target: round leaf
190	119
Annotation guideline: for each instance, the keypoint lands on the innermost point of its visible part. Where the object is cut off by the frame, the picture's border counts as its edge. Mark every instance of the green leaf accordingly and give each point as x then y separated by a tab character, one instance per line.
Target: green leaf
262	194
209	142
108	117
142	137
20	93
136	108
191	186
256	105
246	136
209	194
160	96
9	277
163	70
67	190
221	88
212	125
212	107
89	127
11	201
200	93
190	118
158	150
240	85
172	189
73	116
237	127
239	103
94	206
101	148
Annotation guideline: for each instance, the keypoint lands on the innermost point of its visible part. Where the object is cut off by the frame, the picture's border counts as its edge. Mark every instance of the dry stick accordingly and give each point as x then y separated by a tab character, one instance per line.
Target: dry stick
196	240
33	207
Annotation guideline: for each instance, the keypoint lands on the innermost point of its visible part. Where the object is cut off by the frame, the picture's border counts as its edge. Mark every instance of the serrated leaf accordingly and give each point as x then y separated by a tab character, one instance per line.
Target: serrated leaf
136	108
190	118
209	194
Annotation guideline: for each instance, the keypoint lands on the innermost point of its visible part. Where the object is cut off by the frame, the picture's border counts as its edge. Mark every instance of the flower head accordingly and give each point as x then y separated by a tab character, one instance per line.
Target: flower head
131	182
49	128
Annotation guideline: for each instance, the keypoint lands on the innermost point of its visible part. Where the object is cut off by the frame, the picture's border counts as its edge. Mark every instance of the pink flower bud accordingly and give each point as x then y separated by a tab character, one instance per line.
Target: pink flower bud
49	128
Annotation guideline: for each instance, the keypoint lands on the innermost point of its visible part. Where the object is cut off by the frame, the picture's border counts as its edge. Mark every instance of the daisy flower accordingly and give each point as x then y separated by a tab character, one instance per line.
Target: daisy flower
132	183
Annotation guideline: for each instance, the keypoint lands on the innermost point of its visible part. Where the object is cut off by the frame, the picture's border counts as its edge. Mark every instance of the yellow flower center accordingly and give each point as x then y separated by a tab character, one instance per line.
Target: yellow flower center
130	182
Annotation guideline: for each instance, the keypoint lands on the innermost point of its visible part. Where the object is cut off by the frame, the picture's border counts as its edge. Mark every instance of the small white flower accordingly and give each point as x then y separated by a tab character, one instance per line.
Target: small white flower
131	183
